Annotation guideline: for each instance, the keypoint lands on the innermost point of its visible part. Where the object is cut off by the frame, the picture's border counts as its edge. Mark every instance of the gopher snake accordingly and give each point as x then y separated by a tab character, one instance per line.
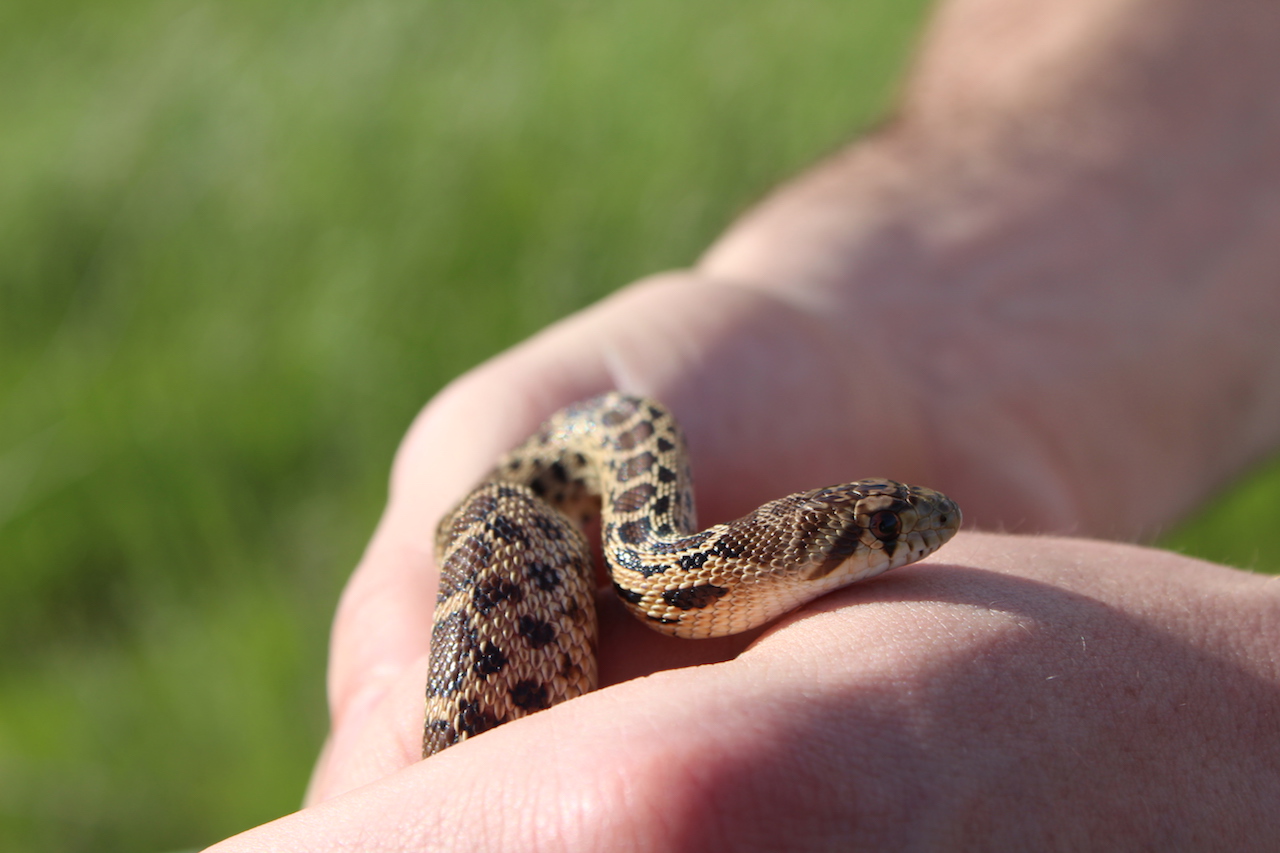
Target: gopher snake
515	622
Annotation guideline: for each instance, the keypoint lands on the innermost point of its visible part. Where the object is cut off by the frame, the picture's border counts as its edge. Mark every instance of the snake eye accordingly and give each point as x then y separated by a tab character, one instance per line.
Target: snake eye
884	525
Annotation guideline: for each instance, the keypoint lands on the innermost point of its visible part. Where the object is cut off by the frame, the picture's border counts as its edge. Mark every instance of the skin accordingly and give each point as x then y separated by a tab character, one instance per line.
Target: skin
1047	288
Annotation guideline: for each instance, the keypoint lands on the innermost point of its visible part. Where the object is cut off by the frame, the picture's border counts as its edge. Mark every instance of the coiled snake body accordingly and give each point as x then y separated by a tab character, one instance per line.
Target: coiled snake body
515	624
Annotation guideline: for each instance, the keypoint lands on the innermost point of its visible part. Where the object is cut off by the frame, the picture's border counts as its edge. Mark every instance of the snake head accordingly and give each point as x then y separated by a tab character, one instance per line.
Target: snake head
858	530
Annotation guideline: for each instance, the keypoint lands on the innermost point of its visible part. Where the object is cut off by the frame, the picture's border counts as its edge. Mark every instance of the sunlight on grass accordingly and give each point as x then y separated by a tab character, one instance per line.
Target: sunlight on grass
1238	528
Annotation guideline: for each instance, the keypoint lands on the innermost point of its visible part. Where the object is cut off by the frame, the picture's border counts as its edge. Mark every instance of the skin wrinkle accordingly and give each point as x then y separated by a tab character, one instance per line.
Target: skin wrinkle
382	739
801	761
365	664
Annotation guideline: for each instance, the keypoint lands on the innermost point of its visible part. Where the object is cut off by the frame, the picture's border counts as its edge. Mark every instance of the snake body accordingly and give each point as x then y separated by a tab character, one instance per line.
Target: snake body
514	629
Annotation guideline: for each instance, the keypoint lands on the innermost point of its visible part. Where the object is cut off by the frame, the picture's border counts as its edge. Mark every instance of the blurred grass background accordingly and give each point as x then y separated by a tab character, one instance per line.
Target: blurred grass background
241	243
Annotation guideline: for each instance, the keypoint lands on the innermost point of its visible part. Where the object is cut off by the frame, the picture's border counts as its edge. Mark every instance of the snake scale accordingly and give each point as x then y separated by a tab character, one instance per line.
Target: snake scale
515	626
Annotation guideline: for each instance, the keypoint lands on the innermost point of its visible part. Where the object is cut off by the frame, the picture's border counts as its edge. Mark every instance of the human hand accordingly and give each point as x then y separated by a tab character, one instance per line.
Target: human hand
1056	335
743	452
1008	693
1061	677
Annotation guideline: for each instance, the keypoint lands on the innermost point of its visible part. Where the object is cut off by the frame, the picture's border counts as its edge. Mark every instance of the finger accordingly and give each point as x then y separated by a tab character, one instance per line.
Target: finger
640	765
575	777
948	693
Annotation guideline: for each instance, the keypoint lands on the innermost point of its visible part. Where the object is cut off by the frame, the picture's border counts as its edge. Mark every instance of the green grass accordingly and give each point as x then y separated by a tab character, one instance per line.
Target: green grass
240	244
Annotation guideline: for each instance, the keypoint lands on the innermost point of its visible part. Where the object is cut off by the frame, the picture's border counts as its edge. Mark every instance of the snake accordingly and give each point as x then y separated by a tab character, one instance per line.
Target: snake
514	630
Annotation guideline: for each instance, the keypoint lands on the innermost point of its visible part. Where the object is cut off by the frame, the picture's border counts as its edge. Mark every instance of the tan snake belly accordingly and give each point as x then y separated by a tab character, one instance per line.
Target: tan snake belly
515	625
